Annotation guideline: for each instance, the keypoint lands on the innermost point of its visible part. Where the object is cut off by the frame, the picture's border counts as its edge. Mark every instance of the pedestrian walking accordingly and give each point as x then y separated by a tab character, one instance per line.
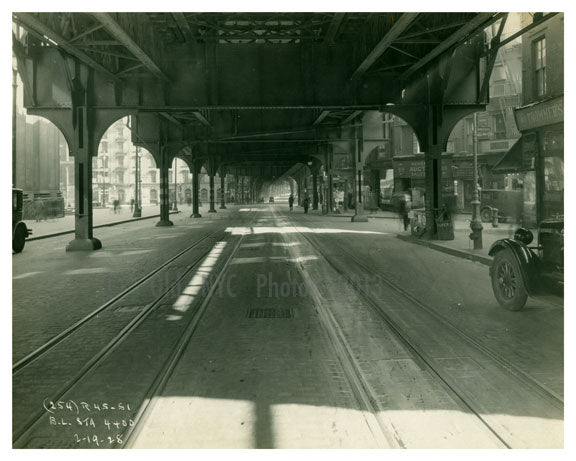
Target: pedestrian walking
131	205
404	207
116	205
291	201
306	204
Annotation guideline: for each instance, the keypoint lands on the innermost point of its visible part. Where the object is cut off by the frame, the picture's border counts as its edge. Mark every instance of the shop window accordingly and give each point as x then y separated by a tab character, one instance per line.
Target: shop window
553	174
540	67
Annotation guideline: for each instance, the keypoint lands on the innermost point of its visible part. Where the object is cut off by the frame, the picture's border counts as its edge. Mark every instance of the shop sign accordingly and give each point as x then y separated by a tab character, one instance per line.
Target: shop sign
413	169
416	169
540	114
464	170
483	131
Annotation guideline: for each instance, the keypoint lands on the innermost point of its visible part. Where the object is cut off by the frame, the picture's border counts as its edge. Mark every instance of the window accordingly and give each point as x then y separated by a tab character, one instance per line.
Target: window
540	67
152	176
120	177
104	162
499	126
104	147
498	88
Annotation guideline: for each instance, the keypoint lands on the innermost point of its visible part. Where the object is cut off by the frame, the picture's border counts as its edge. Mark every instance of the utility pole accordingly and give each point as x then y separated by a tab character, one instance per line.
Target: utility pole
476	223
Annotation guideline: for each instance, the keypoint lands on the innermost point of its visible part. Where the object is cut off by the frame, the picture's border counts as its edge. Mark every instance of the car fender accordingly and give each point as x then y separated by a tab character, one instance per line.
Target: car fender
526	259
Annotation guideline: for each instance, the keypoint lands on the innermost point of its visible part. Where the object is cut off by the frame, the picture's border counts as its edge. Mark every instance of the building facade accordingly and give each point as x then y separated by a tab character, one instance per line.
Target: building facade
114	173
537	159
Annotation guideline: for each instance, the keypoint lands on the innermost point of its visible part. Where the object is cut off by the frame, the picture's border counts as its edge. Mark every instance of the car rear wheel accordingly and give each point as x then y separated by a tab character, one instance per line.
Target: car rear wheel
19	239
508	282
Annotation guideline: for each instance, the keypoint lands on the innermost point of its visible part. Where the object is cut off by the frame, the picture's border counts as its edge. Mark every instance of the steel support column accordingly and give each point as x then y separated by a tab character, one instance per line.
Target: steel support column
212	209
164	189
314	191
83	225
196	189
359	215
222	188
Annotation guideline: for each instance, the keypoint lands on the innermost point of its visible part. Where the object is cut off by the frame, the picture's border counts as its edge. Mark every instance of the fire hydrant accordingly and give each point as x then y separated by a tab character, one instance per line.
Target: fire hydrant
494	217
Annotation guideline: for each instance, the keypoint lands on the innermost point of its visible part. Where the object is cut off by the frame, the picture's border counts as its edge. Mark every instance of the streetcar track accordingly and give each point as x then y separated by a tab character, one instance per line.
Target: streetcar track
173	359
26	431
48	345
501	361
110	347
415	350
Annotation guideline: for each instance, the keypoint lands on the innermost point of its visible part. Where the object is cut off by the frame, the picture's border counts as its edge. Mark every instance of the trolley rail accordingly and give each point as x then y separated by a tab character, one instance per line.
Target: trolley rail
504	364
412	346
25	431
48	345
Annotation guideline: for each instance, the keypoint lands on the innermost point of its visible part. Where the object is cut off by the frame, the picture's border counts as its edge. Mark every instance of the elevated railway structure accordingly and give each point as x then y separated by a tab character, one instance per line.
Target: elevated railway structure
253	94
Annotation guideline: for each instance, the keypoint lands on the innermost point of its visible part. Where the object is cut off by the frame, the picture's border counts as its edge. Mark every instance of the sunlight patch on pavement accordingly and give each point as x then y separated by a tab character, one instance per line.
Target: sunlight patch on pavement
292	230
26	275
198	422
199	280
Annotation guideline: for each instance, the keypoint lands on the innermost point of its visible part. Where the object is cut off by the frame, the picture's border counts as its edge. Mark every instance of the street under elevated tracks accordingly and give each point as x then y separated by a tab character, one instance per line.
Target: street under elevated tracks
256	327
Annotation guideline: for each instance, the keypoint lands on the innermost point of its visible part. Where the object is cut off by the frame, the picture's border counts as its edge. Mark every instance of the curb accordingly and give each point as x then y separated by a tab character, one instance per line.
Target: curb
487	261
115	223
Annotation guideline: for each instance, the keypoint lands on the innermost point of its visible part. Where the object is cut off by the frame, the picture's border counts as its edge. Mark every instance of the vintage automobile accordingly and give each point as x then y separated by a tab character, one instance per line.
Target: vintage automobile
19	229
519	271
507	202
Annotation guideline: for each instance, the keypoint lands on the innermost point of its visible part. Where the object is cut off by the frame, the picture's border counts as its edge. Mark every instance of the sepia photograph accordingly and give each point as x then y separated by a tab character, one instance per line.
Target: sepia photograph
322	227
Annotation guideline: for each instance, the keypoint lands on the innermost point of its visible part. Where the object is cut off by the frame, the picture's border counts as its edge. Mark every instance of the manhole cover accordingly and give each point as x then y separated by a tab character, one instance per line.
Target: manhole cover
268	313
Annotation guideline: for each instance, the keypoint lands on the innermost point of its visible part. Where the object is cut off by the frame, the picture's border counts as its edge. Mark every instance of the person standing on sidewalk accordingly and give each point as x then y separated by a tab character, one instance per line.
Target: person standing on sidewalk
291	202
306	204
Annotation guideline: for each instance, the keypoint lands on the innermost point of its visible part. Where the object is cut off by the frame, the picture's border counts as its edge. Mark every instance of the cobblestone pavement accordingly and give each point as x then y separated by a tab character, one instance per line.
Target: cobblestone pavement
52	288
265	366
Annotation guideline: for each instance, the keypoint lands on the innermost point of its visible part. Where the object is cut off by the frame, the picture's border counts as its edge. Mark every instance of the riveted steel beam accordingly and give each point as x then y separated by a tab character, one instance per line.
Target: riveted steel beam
203	120
391	36
351	117
457	36
333	28
183	26
122	36
30	21
321	117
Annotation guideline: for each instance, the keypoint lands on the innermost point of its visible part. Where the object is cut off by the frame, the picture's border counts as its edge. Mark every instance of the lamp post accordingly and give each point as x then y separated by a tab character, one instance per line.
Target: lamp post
14	117
476	223
137	207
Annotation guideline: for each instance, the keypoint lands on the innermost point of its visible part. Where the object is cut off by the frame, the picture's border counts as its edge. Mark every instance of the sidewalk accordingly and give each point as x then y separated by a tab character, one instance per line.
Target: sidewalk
101	216
462	246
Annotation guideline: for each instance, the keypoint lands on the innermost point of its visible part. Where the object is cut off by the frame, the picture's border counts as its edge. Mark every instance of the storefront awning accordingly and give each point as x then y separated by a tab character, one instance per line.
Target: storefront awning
512	160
